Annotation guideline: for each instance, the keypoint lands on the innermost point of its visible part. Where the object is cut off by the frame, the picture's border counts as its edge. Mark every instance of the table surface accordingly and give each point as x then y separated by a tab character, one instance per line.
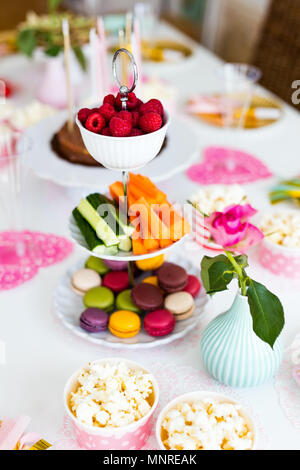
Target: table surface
41	354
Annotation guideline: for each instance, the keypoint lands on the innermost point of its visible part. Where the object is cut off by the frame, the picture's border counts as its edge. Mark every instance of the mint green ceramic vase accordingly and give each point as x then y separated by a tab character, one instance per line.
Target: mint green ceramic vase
233	354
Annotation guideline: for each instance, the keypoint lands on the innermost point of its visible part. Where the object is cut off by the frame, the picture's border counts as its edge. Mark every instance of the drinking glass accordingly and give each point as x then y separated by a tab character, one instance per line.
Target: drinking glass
14	149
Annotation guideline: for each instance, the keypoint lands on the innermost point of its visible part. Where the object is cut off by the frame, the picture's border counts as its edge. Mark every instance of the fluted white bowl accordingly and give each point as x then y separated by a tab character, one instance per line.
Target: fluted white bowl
124	153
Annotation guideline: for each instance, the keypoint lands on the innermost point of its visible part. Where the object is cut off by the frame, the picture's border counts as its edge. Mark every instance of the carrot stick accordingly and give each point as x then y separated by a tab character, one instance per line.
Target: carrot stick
116	190
151	244
138	247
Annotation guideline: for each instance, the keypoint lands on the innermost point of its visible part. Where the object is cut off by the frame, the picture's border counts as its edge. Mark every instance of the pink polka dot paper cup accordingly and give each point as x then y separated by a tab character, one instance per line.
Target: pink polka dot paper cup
280	260
131	437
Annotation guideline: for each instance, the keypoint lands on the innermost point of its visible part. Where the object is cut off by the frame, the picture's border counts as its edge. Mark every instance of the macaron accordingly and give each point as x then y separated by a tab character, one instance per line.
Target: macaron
151	280
99	297
150	264
84	280
125	302
93	320
159	323
124	324
97	265
147	297
171	277
115	265
116	280
180	304
193	286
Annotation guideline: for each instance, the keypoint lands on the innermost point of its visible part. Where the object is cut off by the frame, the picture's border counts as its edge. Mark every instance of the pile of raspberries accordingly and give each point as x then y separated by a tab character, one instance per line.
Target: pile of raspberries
110	120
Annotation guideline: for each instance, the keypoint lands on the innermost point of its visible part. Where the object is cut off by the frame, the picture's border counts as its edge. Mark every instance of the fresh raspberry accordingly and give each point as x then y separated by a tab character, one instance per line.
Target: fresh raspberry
131	103
83	114
152	106
95	122
107	111
119	127
94	110
138	104
106	131
110	99
135	131
126	115
150	122
135	118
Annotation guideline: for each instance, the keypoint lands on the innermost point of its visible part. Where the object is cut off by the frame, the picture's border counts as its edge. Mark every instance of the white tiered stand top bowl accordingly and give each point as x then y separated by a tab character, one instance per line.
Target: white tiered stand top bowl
124	153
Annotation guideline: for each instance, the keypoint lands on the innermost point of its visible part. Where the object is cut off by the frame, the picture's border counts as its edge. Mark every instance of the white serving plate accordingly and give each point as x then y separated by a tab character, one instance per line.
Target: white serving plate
121	255
179	153
69	306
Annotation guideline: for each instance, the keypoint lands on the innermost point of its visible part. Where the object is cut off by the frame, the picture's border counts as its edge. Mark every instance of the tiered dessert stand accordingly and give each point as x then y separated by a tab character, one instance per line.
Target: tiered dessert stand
124	154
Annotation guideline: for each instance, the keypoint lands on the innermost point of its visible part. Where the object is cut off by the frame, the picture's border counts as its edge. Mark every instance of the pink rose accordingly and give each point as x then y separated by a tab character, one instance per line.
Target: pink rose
231	228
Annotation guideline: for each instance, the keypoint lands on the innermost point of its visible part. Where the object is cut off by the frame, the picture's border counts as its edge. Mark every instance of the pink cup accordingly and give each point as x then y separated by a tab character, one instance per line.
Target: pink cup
131	437
280	260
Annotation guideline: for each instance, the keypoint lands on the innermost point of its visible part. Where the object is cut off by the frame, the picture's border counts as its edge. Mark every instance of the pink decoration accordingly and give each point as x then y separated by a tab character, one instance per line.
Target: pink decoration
39	250
170	387
231	228
12	433
280	260
227	166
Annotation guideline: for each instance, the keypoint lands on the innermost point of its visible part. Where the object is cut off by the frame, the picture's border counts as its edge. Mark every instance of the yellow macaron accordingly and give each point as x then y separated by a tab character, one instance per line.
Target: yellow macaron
151	280
124	324
150	264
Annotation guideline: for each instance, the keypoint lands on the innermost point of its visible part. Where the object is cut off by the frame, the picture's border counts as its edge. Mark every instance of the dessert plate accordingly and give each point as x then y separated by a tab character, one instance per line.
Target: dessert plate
121	255
69	306
178	154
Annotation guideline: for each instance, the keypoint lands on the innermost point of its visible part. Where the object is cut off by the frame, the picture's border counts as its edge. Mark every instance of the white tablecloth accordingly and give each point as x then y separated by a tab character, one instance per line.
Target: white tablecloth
40	354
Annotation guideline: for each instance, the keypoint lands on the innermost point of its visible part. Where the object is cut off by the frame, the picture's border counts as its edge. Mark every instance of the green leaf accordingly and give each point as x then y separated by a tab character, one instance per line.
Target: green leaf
242	260
216	273
53	50
267	312
80	56
53	5
27	41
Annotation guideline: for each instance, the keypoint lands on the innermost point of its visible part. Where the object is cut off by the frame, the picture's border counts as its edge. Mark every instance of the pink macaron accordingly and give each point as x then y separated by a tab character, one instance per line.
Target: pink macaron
159	322
115	265
116	280
193	285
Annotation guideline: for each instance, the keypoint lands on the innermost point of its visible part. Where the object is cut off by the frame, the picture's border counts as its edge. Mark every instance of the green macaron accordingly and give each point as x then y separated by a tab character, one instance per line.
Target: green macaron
97	264
99	297
124	302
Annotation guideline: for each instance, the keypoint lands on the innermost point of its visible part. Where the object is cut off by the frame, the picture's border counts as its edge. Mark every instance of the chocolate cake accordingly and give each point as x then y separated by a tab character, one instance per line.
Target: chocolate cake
69	146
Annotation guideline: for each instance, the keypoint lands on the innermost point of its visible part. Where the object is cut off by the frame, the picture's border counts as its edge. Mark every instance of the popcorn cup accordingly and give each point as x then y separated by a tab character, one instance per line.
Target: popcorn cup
197	396
131	437
280	260
201	234
124	153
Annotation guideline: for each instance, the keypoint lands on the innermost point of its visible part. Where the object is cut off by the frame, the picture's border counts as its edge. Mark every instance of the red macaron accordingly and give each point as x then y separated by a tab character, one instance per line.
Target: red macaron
159	323
193	285
116	281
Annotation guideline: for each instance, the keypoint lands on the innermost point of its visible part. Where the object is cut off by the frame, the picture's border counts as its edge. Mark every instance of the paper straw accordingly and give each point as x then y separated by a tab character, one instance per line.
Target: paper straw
96	70
66	34
103	53
137	50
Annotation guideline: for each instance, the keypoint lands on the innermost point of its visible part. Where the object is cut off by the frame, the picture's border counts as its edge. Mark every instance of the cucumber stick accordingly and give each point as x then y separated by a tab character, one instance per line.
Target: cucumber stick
125	244
107	211
111	215
93	242
103	230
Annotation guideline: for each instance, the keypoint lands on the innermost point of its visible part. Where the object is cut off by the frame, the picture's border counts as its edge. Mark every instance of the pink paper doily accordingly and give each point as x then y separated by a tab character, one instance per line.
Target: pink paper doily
170	387
227	166
39	250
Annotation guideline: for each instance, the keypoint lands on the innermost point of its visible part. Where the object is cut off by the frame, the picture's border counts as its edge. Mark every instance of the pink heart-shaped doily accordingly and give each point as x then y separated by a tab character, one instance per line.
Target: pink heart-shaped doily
227	166
38	250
